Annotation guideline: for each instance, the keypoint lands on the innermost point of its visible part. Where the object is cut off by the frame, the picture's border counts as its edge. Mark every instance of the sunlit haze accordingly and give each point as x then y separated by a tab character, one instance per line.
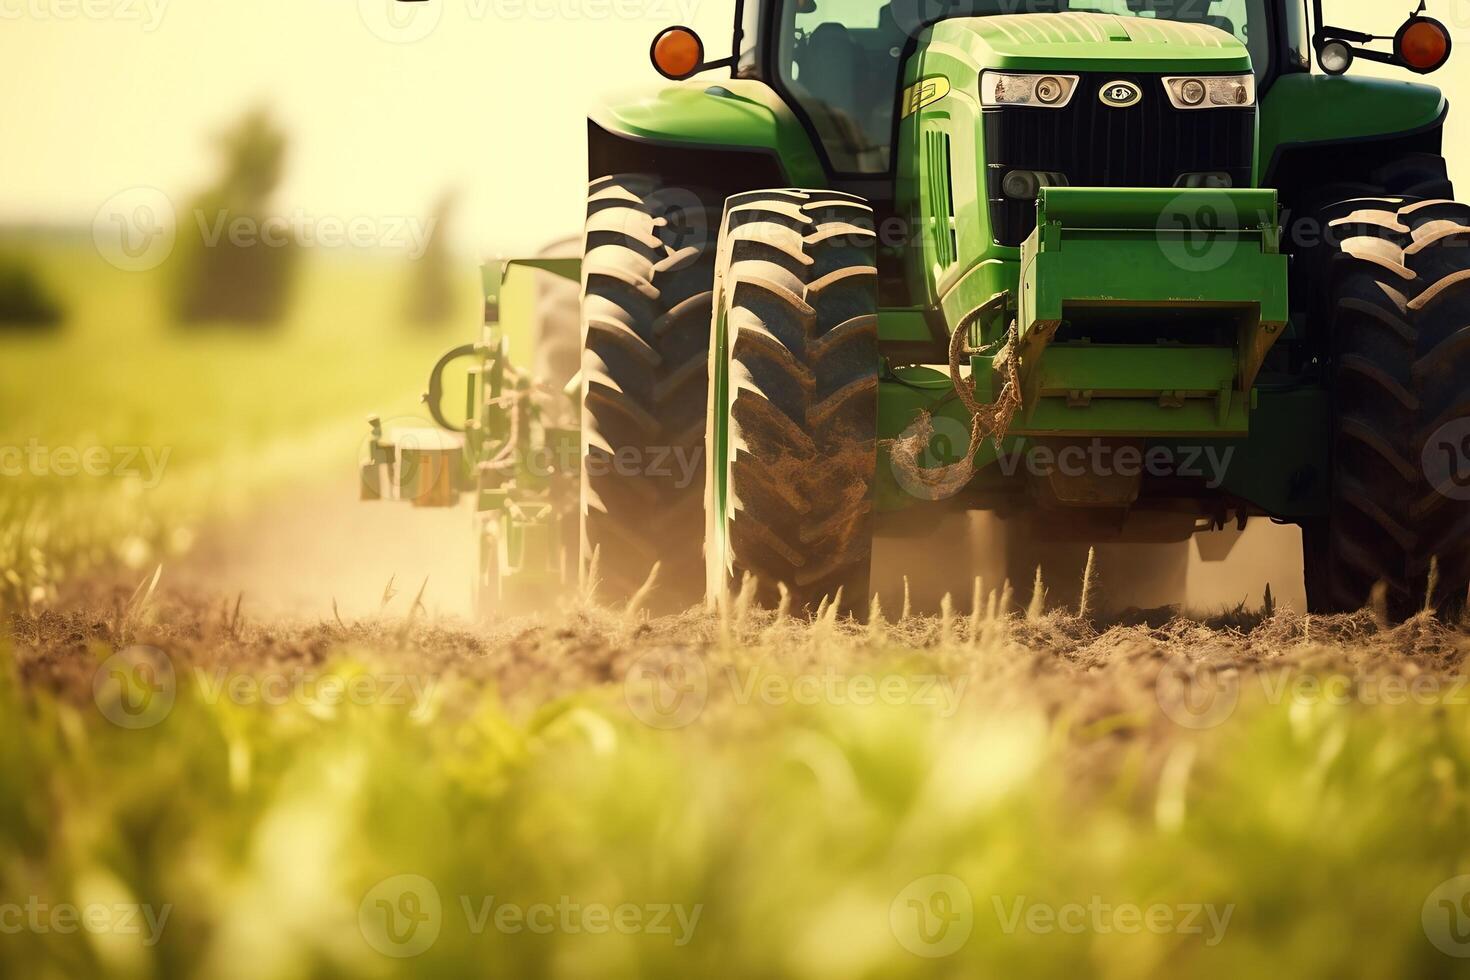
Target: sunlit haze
490	101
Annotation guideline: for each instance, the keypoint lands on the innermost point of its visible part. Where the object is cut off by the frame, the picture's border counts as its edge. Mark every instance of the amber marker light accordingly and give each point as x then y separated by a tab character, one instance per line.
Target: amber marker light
1423	44
677	52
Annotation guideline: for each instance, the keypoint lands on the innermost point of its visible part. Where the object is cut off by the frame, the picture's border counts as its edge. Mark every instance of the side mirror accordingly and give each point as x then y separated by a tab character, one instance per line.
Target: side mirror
1422	45
677	53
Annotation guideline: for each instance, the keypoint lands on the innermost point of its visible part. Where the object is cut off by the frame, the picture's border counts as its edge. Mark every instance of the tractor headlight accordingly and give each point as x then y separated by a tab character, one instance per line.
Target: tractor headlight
1212	92
999	88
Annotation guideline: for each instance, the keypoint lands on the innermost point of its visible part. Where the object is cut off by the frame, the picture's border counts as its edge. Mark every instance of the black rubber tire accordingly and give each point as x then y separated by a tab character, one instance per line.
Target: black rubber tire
647	275
1412	176
1396	298
1423	176
797	287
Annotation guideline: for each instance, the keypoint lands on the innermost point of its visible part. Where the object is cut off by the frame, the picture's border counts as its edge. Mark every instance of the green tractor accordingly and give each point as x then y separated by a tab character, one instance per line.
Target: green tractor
1114	270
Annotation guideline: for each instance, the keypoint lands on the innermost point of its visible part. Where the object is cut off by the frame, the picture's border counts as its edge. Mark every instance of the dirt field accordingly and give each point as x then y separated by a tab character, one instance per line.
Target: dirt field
292	754
757	795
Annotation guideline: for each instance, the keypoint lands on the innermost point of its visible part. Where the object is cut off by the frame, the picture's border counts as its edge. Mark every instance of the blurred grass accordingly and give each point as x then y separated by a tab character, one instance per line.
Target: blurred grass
239	412
795	827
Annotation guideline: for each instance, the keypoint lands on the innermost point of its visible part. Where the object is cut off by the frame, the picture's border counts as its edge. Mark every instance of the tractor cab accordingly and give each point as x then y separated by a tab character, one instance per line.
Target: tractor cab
839	63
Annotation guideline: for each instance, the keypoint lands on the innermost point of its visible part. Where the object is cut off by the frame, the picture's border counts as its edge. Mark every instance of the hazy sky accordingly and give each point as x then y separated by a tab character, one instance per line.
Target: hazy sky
488	96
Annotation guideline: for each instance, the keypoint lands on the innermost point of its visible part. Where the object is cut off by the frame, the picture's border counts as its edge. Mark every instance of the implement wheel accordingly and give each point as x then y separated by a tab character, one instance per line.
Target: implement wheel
794	404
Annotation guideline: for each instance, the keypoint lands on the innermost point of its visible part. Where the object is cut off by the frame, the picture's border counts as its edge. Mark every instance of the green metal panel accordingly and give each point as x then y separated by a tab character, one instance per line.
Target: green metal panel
1283	467
1280	468
1133	371
959	50
1302	108
903	325
735	113
1131	417
979	284
1095	42
1124	246
1148	253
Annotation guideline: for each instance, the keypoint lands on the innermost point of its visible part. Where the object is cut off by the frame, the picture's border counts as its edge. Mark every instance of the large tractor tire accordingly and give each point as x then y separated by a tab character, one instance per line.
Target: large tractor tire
1396	299
1420	176
794	400
647	273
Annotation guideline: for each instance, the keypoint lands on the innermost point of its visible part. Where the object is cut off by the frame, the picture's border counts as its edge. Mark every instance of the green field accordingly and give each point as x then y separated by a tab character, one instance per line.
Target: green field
185	791
187	425
486	803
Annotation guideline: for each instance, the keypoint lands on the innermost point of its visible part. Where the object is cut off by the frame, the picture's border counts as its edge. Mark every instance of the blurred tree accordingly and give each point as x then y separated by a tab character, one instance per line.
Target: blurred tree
233	259
25	302
431	297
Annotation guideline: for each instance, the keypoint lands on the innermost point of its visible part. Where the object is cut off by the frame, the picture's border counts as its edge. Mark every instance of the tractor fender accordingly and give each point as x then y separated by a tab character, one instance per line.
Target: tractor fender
734	134
1302	112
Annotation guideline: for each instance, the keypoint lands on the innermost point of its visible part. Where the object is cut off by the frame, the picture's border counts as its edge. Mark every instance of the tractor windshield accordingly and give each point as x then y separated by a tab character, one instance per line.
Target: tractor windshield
839	59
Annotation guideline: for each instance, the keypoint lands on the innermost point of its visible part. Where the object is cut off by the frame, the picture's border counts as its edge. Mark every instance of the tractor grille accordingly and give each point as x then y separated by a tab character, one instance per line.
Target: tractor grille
1146	145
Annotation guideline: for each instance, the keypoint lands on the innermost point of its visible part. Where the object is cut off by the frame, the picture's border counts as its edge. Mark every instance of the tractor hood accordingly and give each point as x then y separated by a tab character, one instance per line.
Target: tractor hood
1080	41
